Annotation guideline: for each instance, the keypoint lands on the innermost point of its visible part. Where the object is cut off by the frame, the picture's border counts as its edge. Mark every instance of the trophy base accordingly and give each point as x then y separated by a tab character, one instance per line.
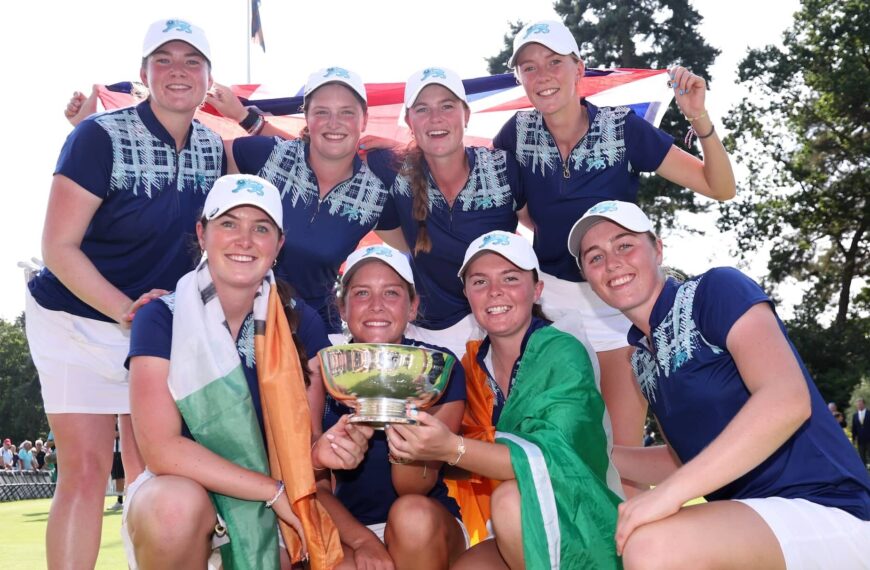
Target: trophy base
378	412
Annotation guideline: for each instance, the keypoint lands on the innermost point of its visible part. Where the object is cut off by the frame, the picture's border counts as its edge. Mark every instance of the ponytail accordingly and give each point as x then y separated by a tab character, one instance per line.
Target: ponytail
412	169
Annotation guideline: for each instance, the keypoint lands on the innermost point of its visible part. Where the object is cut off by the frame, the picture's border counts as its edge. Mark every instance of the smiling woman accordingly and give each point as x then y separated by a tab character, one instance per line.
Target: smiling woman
388	510
204	387
122	208
533	435
331	198
744	423
445	196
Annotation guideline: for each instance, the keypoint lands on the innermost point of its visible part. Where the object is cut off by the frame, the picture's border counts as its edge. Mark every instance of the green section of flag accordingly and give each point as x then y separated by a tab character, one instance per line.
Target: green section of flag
221	417
553	424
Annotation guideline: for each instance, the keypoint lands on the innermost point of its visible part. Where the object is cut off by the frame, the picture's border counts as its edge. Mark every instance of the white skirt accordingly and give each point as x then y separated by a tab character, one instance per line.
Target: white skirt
80	361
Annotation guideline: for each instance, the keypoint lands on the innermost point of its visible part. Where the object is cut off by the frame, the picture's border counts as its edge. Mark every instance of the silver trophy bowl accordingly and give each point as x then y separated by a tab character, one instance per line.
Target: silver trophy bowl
384	382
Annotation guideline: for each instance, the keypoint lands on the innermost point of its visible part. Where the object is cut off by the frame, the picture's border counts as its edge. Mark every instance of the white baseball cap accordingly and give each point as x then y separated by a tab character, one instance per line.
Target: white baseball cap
235	190
515	248
437	75
163	31
625	214
381	252
335	75
548	33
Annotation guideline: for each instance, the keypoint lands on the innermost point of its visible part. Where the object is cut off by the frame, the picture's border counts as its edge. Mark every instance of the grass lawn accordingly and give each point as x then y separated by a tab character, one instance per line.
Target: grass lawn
22	536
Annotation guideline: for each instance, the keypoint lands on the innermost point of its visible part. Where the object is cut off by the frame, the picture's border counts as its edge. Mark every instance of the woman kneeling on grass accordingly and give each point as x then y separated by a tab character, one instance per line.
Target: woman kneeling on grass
745	425
218	395
533	432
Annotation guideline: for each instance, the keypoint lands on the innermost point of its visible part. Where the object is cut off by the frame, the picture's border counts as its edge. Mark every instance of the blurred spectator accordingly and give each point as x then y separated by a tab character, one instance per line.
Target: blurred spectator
838	415
861	430
26	461
39	454
7	454
118	472
51	456
14	450
649	436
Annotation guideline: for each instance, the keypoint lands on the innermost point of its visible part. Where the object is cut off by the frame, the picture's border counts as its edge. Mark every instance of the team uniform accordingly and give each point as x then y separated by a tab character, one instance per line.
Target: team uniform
140	238
813	491
605	165
367	491
489	201
319	232
554	423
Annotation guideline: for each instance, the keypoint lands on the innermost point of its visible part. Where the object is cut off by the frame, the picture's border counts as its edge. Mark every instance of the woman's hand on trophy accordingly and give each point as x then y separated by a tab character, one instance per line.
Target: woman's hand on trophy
429	440
343	446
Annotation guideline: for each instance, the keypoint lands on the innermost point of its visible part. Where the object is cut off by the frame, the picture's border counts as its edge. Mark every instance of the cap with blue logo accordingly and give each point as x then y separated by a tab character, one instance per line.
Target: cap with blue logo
625	214
335	75
433	75
513	247
550	34
234	190
163	31
380	252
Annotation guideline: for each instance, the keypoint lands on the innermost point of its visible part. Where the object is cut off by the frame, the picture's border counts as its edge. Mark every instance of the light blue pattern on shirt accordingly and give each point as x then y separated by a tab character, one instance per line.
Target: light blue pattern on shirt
358	199
487	186
602	147
142	161
676	340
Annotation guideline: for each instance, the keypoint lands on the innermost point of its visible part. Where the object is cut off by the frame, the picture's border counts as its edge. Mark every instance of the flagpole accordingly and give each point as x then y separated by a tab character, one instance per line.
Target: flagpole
248	40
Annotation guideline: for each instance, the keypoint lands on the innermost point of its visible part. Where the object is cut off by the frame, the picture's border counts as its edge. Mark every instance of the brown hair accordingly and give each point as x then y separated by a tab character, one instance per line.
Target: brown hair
412	169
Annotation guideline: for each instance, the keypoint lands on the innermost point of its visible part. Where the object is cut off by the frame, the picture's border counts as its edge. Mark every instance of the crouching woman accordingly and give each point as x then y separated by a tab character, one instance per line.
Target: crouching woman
218	394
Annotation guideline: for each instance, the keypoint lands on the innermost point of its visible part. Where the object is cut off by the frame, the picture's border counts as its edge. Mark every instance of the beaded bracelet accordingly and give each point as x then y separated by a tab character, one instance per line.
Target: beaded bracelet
460	451
277	496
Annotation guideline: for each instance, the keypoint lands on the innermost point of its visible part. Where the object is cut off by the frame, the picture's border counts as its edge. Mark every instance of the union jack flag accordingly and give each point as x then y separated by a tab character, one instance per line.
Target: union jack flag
493	100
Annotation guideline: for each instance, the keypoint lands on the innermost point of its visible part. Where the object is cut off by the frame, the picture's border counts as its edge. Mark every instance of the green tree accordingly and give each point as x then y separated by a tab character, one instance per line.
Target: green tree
653	34
21	413
803	135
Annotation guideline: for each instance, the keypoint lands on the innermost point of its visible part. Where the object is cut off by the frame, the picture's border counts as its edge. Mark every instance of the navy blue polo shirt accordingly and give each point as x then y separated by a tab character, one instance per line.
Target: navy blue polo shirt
605	165
695	389
488	201
367	491
500	398
142	235
151	335
319	234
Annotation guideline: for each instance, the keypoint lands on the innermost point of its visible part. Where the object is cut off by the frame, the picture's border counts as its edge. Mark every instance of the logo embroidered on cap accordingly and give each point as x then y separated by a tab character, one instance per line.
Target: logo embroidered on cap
337	72
433	72
378	250
179	25
537	29
494	240
212	213
250	186
603	207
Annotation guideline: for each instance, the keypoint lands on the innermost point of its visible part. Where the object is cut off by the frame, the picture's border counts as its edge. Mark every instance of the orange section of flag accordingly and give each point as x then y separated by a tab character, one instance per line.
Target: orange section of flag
288	436
473	494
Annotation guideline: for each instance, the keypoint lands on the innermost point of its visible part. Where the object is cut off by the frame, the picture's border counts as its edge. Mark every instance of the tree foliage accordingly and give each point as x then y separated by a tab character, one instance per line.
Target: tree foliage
653	34
21	413
803	134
